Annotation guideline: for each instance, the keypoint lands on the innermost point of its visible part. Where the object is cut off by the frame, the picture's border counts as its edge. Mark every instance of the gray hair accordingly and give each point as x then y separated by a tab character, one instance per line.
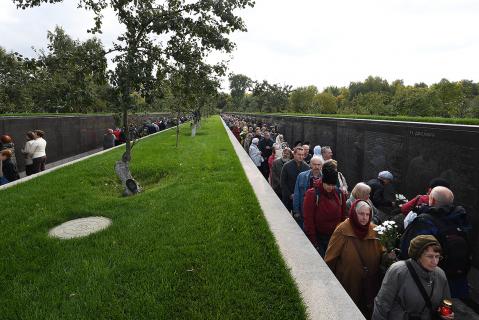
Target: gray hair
361	204
316	157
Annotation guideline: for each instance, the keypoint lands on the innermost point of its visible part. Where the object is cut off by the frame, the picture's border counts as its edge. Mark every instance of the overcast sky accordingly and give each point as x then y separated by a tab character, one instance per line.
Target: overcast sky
307	42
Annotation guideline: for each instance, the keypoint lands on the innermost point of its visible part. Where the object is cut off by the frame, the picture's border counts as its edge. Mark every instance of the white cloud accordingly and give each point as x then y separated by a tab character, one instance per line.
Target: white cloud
310	41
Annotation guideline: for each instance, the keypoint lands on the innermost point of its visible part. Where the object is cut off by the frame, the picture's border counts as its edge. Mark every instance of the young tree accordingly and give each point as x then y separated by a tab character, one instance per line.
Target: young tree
157	34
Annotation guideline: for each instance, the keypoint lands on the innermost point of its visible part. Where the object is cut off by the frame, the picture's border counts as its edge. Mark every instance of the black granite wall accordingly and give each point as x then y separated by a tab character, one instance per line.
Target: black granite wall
414	152
66	136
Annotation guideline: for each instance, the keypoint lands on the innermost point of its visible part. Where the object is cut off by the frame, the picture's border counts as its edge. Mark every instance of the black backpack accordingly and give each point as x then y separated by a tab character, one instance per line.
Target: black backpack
453	239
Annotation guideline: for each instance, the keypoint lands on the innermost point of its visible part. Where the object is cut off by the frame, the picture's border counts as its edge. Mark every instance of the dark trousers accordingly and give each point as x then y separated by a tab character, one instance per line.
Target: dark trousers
38	164
265	169
323	241
29	169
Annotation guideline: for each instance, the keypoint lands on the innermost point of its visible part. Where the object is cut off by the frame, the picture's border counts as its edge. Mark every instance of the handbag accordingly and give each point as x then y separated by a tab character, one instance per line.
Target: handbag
427	299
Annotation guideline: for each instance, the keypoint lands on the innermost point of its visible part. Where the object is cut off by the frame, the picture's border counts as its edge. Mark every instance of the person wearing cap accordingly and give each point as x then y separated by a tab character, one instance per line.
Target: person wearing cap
379	197
324	207
400	297
353	246
255	154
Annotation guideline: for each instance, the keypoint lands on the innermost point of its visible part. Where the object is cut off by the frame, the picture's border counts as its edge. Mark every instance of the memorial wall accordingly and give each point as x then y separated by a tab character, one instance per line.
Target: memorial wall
66	136
414	152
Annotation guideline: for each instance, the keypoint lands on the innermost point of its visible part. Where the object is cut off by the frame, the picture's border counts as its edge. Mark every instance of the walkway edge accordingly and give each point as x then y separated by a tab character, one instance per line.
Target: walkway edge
33	176
322	294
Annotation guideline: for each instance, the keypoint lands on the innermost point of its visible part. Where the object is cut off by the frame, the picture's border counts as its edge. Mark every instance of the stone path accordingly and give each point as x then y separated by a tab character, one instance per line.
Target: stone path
80	227
66	160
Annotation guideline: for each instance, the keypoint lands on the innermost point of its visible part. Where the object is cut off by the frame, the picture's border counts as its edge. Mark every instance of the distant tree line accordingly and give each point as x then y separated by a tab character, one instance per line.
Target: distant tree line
72	76
373	96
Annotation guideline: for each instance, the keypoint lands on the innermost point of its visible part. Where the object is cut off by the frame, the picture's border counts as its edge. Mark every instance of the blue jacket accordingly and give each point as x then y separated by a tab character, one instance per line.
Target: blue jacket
302	184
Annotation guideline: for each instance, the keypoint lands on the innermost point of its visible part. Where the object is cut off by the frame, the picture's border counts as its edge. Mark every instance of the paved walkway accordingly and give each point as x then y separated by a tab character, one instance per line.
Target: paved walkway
66	160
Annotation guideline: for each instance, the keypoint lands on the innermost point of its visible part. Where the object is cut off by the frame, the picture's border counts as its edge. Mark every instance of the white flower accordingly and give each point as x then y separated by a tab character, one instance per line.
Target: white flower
393	222
376	228
380	232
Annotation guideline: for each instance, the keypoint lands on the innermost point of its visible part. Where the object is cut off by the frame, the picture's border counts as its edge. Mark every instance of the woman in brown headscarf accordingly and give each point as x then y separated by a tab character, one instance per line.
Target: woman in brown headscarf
354	254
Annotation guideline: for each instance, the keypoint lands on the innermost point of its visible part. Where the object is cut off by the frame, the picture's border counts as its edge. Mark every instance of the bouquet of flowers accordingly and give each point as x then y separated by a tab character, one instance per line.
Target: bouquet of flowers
387	234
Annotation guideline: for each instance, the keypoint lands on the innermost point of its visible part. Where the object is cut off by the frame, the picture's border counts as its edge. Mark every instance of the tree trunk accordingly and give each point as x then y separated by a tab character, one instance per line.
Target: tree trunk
122	167
193	129
177	128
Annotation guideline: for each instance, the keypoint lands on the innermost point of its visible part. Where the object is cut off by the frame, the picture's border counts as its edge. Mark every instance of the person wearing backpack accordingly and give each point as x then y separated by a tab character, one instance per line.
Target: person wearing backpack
324	207
414	289
450	225
305	181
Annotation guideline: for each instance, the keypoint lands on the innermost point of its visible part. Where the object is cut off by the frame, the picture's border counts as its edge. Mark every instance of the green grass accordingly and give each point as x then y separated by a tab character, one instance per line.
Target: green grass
193	245
468	121
62	114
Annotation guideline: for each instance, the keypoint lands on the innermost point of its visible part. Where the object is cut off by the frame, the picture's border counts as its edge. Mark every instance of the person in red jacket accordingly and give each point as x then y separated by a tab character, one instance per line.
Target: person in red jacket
420	200
324	208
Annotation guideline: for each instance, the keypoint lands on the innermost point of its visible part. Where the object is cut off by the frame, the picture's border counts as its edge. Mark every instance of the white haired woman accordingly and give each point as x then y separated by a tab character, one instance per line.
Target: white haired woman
255	153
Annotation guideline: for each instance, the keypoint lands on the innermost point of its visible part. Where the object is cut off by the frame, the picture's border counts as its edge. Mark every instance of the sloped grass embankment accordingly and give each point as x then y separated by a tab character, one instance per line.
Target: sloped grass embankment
194	245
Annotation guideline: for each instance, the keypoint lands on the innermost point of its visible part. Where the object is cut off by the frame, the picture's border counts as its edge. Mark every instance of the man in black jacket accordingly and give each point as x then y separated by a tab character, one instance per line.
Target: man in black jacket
266	147
289	173
451	226
379	195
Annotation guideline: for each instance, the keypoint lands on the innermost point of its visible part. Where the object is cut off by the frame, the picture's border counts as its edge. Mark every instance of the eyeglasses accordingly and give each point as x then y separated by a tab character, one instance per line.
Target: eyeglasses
434	257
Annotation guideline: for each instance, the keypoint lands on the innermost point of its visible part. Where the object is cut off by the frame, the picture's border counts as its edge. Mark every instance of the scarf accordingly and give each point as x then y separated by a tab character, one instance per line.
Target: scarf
359	230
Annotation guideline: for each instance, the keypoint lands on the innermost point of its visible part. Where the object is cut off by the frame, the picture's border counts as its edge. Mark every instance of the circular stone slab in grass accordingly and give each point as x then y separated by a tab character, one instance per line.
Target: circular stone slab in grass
80	227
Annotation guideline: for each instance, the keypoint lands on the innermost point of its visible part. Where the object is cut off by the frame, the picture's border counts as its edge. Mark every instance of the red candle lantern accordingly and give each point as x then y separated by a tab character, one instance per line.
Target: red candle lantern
446	307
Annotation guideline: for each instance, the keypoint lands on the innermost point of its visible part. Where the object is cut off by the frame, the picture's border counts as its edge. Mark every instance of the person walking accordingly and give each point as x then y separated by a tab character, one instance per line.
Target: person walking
354	255
27	152
39	155
415	288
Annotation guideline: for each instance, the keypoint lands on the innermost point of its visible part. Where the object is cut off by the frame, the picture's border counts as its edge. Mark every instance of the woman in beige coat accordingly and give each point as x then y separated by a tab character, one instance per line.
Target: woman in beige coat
354	255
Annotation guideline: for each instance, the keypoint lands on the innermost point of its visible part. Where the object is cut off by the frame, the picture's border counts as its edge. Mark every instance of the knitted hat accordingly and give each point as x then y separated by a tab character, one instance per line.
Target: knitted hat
385	175
419	243
330	176
255	141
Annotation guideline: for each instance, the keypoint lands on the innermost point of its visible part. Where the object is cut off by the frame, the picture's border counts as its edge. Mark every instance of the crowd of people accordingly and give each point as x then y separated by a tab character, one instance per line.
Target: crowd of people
34	149
413	279
34	153
137	129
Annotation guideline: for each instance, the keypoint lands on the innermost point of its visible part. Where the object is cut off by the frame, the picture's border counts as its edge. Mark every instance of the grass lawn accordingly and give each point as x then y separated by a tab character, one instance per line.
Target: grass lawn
468	121
193	245
64	114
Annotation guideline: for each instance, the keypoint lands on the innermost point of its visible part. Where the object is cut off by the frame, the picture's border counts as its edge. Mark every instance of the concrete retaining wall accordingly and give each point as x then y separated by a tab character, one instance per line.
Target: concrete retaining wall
322	293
